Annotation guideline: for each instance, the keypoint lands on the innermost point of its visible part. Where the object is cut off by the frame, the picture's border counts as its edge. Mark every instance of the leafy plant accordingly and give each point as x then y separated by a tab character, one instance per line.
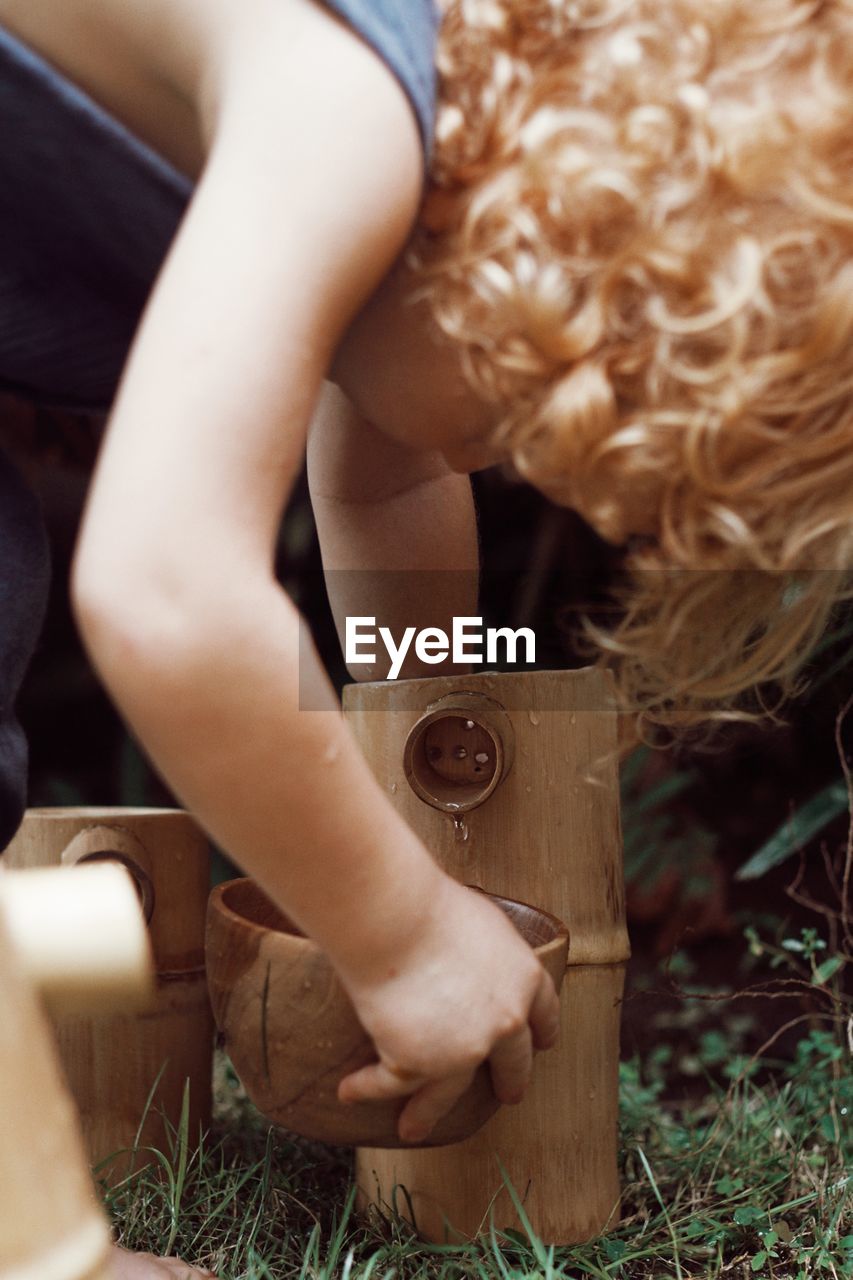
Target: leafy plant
803	825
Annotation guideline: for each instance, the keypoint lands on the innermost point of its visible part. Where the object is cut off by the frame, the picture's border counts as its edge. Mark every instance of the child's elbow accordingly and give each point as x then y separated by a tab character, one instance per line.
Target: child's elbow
94	598
126	622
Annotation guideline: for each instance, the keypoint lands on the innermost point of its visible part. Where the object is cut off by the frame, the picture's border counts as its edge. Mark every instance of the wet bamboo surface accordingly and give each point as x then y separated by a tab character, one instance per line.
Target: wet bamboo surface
548	834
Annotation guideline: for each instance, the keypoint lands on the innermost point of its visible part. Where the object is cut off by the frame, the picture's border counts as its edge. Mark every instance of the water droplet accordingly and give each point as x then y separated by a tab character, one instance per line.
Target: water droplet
573	718
459	753
469	724
532	717
460	829
393	788
528	790
482	757
451	804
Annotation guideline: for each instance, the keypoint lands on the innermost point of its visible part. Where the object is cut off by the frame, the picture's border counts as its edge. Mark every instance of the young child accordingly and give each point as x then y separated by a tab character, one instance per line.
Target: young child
633	279
309	165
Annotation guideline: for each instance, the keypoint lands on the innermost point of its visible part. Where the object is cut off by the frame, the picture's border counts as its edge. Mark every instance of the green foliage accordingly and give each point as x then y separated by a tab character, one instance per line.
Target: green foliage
805	955
652	837
803	825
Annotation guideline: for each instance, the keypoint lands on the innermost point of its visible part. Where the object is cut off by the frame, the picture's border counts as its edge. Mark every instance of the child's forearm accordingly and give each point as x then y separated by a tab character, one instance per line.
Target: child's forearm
397	531
283	790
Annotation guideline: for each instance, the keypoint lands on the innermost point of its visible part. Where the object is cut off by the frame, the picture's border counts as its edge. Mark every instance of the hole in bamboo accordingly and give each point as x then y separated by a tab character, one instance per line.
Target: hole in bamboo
458	752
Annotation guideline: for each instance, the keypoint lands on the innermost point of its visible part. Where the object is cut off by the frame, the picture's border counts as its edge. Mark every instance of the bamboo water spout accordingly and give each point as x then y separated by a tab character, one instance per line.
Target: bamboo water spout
80	939
51	1226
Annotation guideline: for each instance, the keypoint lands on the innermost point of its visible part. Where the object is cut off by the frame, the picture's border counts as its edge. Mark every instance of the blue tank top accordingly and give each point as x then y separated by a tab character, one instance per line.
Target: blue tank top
88	211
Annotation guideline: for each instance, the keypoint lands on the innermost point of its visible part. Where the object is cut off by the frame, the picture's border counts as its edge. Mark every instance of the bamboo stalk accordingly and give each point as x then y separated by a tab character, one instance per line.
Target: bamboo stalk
549	834
116	1064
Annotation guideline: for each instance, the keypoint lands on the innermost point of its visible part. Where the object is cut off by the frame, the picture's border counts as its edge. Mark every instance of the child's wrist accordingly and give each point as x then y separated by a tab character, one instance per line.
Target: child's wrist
386	923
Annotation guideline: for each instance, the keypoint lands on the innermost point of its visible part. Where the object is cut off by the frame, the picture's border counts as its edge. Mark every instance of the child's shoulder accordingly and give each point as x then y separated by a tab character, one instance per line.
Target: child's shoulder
156	65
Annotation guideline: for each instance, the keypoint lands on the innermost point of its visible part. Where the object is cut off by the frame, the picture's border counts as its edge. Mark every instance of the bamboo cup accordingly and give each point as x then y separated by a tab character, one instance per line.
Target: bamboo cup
134	1065
539	822
51	1227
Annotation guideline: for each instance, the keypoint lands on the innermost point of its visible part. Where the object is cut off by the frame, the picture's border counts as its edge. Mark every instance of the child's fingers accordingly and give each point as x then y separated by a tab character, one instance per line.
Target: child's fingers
423	1112
377	1082
511	1065
545	1014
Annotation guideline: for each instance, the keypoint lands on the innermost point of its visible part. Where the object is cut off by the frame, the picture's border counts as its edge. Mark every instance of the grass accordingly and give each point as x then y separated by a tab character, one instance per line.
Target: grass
753	1179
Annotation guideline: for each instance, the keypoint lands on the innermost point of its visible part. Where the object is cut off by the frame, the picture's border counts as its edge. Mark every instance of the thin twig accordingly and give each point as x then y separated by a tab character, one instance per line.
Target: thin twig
759	991
848	861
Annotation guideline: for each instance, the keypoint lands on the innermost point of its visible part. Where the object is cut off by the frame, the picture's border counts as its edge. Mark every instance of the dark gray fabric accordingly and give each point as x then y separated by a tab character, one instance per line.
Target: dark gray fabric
24	584
403	33
87	214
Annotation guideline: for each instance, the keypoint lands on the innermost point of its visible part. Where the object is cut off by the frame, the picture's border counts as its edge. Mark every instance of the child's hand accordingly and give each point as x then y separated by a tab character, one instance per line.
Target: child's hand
467	988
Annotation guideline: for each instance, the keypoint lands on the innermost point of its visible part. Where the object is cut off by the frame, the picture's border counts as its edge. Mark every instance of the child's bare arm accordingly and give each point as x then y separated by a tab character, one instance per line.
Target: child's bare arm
291	226
397	530
301	208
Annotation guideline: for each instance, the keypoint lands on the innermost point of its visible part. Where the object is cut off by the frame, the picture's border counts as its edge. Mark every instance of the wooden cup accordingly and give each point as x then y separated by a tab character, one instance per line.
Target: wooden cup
293	1034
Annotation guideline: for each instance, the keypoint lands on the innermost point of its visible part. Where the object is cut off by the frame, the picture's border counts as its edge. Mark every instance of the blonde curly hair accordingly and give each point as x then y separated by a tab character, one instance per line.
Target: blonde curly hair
640	232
